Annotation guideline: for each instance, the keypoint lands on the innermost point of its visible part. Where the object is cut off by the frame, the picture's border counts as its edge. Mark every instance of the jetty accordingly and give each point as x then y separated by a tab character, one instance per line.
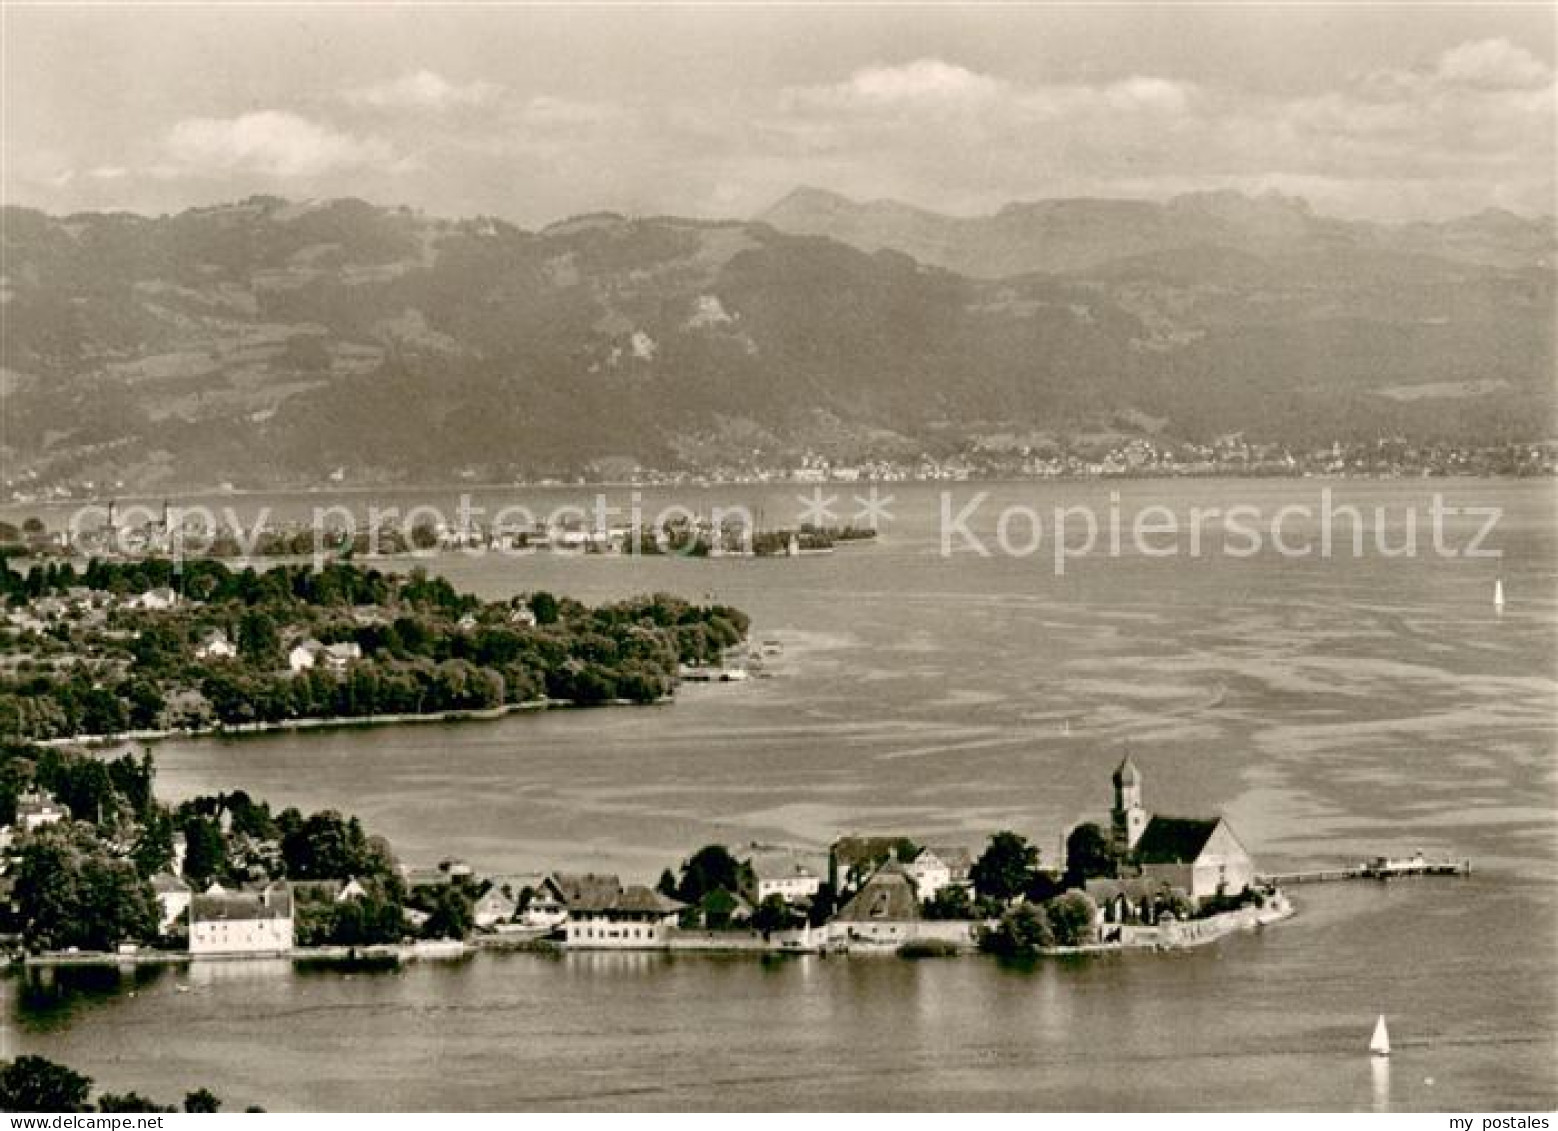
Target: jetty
1380	868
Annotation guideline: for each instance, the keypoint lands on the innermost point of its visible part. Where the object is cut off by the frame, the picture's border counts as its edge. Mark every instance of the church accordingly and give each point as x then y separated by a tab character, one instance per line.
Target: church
1200	857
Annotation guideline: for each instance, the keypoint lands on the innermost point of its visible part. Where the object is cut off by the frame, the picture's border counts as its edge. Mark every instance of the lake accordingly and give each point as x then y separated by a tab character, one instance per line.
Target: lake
1333	708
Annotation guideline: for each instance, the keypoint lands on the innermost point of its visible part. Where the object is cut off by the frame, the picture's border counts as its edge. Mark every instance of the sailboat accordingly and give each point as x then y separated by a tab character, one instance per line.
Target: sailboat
1498	594
1379	1043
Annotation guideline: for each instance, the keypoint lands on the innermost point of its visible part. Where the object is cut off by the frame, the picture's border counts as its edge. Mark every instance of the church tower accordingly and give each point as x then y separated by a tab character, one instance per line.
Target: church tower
1129	818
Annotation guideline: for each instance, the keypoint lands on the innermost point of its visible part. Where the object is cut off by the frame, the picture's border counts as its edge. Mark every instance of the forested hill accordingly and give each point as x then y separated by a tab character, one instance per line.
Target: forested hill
266	342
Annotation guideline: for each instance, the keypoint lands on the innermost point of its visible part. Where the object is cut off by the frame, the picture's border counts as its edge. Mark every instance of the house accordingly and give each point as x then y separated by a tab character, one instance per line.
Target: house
327	891
578	888
173	899
933	869
242	922
304	655
215	645
310	653
555	893
1200	856
493	908
82	598
885	910
853	859
155	600
785	875
36	809
448	873
635	918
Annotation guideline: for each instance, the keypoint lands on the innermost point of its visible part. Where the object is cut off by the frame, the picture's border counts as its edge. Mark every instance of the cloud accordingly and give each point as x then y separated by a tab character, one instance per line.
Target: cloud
274	143
423	90
919	81
935	132
924	84
1493	64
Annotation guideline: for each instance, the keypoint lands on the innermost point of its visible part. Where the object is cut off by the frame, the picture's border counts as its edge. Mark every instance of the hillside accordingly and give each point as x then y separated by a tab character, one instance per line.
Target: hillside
273	343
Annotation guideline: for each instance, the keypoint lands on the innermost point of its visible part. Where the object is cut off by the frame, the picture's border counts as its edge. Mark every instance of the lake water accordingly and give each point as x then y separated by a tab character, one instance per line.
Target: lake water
1332	708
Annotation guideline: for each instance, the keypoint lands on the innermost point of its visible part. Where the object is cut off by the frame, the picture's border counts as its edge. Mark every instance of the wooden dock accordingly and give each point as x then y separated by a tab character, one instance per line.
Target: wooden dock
1383	868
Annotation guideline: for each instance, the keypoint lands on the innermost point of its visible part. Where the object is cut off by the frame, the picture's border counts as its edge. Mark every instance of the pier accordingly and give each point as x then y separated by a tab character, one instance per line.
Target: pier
1381	868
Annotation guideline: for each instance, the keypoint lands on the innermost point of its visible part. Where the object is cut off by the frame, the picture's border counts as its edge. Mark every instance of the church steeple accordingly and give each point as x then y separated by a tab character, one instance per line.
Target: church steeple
1129	819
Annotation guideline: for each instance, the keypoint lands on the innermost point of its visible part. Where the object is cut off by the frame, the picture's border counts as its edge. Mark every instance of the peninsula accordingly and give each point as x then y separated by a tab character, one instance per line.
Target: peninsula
147	647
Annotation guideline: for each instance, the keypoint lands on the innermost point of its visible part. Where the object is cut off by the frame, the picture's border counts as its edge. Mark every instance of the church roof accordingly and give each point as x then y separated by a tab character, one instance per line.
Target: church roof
1127	773
1174	840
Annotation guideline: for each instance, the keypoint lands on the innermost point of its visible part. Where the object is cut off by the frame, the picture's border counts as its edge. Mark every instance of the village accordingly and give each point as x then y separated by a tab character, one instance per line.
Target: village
143	532
1144	881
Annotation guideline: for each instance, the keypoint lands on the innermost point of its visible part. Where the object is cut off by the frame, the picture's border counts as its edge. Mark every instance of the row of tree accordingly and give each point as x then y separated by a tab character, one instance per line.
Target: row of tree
36	1084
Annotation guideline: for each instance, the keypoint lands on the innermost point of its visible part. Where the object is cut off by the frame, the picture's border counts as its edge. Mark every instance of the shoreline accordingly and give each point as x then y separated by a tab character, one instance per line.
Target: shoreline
240	730
1190	935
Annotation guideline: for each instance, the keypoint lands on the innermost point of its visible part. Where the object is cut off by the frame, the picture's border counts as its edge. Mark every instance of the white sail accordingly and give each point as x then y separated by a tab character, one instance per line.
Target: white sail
1379	1044
1498	593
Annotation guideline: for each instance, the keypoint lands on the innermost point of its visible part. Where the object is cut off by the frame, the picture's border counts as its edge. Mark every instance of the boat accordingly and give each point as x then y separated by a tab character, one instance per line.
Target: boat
1498	594
1379	1044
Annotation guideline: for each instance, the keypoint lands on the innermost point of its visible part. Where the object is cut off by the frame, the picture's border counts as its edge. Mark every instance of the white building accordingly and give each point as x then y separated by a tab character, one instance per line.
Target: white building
784	875
155	599
249	922
493	908
934	869
636	918
36	809
310	653
215	645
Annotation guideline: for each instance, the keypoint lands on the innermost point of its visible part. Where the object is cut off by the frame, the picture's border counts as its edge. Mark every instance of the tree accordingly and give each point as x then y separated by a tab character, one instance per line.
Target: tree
153	851
773	914
328	846
1072	917
259	641
129	1102
1007	867
205	856
710	868
31	1083
543	606
1088	855
823	905
201	1101
451	915
71	892
951	902
1022	932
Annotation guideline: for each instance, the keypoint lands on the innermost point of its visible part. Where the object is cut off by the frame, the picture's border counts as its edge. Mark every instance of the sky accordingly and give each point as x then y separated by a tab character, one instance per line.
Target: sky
534	113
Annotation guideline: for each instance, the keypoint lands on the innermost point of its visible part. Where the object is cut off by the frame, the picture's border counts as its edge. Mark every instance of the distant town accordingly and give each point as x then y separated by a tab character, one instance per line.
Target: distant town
1012	457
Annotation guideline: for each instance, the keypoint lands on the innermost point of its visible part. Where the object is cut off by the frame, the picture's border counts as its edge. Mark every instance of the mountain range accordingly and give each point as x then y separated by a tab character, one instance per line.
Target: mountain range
271	343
